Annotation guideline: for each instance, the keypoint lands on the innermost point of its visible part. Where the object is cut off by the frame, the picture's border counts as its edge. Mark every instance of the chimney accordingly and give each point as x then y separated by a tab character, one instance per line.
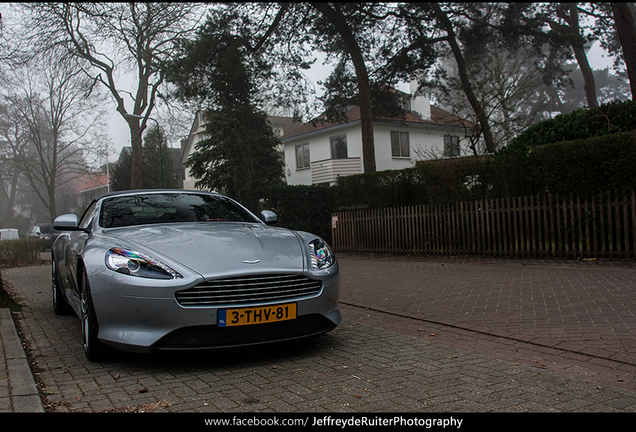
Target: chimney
420	104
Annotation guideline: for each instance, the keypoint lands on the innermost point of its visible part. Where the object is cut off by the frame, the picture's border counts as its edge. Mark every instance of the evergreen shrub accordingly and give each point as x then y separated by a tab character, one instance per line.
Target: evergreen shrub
19	252
610	118
585	166
303	208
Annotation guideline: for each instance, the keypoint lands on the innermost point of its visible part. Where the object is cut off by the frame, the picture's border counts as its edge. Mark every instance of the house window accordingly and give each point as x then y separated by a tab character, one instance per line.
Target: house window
339	147
451	145
399	144
302	156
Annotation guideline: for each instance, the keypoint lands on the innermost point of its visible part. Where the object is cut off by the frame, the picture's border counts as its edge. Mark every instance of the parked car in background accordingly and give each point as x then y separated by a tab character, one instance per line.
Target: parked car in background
173	270
44	232
9	234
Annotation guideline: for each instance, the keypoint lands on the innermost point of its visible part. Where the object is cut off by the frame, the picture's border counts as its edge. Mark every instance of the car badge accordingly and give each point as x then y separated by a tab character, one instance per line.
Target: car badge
251	261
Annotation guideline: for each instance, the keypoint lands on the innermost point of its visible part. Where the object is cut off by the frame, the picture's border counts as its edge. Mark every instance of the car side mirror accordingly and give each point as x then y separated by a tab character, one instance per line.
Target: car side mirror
67	222
269	217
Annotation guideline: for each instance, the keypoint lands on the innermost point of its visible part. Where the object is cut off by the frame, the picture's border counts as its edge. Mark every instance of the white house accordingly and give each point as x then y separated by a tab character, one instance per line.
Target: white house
319	152
91	189
280	125
197	133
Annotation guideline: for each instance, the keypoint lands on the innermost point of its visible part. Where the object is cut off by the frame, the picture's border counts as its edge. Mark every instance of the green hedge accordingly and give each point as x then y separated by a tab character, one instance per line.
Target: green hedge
304	208
309	208
438	181
610	118
19	252
579	152
583	167
379	189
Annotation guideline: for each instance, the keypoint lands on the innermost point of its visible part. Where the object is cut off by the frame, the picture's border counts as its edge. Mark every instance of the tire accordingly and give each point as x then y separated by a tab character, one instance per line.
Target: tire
60	307
93	348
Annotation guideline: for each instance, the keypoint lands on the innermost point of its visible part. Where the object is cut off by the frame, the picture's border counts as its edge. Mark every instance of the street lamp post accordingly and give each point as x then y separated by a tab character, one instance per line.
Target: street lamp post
139	117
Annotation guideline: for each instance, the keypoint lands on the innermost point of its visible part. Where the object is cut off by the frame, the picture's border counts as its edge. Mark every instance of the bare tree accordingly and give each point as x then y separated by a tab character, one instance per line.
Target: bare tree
8	47
9	171
508	86
49	125
115	39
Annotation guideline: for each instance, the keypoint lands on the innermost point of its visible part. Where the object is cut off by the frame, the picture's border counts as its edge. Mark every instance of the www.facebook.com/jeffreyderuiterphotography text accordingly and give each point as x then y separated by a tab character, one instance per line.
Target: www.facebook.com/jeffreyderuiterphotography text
340	422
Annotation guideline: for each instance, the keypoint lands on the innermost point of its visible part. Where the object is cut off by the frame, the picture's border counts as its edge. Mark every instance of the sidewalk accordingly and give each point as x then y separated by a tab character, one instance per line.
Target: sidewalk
18	392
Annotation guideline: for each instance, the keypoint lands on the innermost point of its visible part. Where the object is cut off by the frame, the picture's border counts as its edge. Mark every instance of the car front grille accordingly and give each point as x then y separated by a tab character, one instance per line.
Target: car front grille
241	290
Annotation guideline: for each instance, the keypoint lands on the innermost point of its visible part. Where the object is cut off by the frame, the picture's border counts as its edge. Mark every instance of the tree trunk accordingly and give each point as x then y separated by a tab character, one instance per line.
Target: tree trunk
52	202
366	114
136	172
482	118
589	85
364	88
624	22
8	216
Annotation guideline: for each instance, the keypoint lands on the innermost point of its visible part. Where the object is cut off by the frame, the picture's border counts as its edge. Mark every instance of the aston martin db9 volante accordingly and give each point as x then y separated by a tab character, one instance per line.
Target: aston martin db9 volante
169	270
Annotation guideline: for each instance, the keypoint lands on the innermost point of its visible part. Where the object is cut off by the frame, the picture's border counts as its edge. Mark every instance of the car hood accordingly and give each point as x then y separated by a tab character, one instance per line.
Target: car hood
215	249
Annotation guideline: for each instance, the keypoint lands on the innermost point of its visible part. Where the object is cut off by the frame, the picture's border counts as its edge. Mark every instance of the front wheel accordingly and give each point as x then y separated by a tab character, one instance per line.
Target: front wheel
93	348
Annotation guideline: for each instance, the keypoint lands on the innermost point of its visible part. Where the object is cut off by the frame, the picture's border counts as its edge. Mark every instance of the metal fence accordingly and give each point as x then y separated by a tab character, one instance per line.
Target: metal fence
601	226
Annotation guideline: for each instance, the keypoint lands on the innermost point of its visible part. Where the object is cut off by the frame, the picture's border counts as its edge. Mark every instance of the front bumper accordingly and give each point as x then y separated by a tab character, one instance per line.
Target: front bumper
141	315
213	336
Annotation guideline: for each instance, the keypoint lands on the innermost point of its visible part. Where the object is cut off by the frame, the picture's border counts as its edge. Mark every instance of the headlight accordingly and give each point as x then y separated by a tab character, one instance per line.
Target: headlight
137	264
321	255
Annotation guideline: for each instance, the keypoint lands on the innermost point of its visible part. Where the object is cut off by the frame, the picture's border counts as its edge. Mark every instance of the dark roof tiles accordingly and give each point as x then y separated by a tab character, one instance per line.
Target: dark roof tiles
438	117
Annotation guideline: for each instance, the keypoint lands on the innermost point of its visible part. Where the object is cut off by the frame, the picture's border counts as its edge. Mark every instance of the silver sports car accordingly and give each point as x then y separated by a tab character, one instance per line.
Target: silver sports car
170	270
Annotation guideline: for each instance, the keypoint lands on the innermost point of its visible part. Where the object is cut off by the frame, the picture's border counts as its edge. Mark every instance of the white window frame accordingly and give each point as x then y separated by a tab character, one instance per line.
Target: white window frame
304	161
402	151
339	140
451	146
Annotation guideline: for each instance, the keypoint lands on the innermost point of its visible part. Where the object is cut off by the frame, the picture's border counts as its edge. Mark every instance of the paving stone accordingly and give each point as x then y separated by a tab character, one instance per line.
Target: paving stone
448	336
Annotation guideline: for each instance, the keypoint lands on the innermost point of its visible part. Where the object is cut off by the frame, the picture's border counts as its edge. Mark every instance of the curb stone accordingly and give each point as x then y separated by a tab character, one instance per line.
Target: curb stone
23	392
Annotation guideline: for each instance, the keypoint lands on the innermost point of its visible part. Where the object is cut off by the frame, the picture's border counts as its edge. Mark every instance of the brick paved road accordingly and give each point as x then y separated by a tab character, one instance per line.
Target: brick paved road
418	336
574	316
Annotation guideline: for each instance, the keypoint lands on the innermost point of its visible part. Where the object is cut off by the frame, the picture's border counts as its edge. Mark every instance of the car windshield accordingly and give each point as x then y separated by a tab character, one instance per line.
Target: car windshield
47	229
168	208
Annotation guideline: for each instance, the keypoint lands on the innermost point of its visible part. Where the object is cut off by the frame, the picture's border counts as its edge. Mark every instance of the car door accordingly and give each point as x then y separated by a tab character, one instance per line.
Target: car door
76	243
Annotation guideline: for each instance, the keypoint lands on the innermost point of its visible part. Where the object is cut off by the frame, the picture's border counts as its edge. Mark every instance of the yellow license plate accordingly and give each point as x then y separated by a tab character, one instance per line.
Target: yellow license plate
258	315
